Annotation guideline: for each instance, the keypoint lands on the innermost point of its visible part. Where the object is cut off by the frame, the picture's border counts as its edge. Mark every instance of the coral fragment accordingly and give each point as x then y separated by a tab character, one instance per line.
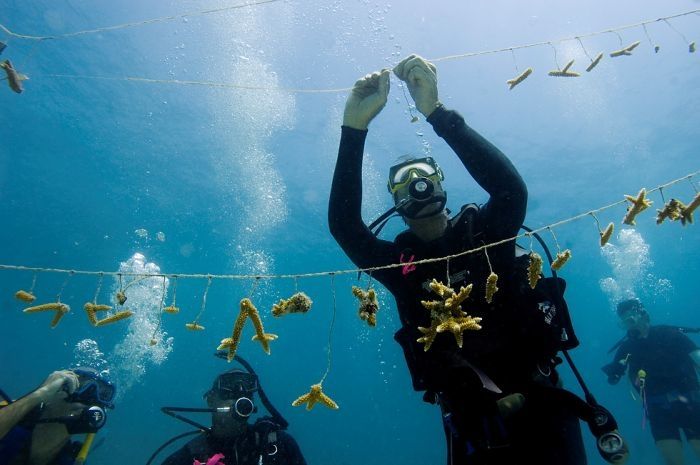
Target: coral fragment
607	234
25	296
518	79
122	315
298	303
562	258
315	396
491	287
534	269
639	204
369	306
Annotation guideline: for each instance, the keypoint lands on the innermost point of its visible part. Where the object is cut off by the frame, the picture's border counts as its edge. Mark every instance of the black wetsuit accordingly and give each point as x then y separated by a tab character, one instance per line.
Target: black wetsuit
671	384
505	350
248	449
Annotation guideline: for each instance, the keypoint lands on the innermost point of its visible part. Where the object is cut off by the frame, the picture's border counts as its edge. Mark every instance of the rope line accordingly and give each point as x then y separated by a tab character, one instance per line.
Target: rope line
347	271
564	39
227	85
136	23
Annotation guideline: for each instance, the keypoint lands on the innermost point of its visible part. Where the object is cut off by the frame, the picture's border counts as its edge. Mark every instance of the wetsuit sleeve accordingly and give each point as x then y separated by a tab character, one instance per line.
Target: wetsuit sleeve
504	213
290	453
345	206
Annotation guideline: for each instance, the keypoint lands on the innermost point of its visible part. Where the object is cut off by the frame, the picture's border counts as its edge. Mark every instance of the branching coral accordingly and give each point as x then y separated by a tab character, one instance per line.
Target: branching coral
518	79
565	72
247	310
639	204
607	234
447	314
315	396
58	307
122	315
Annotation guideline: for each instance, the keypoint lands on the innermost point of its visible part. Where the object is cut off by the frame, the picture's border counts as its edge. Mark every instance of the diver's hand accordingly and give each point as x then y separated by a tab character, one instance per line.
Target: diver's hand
420	77
366	100
57	386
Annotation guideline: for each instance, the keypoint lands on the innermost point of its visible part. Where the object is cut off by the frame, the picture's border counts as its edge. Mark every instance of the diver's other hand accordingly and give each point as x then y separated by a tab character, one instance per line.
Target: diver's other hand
58	385
420	77
366	100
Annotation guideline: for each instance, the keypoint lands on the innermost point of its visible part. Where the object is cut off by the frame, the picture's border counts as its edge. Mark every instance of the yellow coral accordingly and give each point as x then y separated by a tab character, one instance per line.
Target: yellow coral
447	315
428	335
60	309
625	51
562	258
298	303
25	296
369	306
314	396
687	212
247	310
491	287
534	269
172	309
458	325
194	326
91	310
595	62
264	340
565	72
518	79
639	204
123	315
607	234
673	210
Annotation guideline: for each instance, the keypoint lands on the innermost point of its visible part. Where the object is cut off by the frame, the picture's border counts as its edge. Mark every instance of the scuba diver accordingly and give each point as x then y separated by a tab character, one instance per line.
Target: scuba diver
231	439
36	429
499	392
661	363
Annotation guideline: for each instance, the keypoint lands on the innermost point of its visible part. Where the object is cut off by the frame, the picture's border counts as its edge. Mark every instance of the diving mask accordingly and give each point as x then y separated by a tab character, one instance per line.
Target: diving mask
416	188
93	388
239	386
402	174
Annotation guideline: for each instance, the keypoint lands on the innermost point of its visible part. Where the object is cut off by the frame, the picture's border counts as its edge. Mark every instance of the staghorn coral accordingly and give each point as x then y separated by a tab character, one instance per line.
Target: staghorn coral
594	63
368	305
122	315
315	396
298	303
627	51
91	310
60	309
562	258
194	326
687	212
565	72
171	309
491	287
518	79
247	310
25	296
534	269
607	234
447	315
639	204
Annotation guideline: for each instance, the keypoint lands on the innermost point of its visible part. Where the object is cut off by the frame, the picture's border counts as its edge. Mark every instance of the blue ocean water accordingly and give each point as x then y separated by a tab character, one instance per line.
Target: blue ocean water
94	165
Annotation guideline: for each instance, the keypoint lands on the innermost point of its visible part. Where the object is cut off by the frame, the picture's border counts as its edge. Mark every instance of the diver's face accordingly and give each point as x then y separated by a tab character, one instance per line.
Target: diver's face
226	424
633	321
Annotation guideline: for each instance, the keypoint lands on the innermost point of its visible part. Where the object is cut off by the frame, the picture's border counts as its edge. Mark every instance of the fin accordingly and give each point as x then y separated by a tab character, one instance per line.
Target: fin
22	77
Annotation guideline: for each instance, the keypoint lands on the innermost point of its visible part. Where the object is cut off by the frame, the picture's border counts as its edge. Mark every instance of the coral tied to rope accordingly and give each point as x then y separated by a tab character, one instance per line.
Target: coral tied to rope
409	266
641	382
213	460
